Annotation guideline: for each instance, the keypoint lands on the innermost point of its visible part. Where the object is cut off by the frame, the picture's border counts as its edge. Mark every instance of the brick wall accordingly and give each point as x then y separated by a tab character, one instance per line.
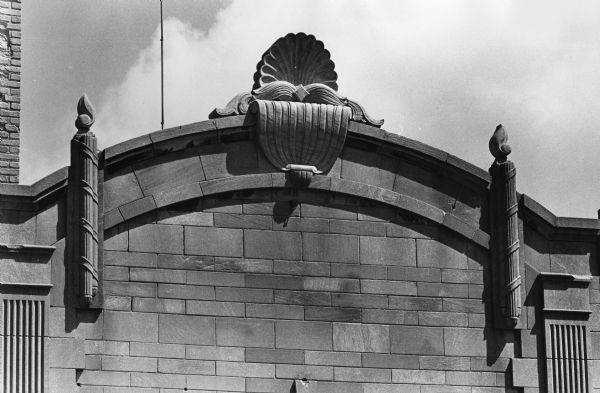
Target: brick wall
10	96
249	294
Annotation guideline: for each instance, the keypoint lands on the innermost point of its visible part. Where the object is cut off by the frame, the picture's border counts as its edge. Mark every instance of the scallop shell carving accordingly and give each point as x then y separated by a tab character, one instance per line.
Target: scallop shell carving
296	58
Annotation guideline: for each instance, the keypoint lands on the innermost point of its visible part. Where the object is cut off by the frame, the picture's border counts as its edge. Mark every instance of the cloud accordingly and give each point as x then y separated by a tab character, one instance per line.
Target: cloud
442	72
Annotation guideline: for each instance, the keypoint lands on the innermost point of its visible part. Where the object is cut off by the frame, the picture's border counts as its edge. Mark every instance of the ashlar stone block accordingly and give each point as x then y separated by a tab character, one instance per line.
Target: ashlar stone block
125	363
304	372
157	350
239	369
66	352
186	329
326	358
429	377
272	244
330	248
155	380
391	388
332	314
125	326
433	253
260	355
213	241
230	354
464	342
181	366
303	298
387	251
303	335
212	383
417	340
362	374
323	386
245	332
360	337
389	287
166	306
164	173
156	238
525	372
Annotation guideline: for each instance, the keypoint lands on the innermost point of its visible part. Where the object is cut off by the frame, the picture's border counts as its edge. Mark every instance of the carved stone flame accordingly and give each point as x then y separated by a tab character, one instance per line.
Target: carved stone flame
86	114
499	146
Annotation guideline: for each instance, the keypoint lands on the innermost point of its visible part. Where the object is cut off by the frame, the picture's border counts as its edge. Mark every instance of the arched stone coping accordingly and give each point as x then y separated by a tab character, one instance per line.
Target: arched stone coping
175	138
189	191
49	186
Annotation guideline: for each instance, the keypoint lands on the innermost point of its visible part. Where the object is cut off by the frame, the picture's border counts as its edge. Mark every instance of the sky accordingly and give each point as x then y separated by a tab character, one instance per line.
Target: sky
442	72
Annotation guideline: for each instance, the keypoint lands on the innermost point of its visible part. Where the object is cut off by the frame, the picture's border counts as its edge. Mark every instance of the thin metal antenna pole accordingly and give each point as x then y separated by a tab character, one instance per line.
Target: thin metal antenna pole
162	73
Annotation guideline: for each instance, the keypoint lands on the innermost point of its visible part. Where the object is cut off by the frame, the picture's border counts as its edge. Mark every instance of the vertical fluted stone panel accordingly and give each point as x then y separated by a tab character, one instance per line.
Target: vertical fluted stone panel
84	179
23	350
506	225
568	358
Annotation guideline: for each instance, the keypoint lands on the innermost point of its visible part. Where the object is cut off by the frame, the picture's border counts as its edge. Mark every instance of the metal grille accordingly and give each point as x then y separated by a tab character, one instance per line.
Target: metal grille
569	359
23	344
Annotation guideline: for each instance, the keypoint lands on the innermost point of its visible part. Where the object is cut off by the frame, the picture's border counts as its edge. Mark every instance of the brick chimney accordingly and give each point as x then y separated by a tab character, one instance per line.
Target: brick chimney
10	93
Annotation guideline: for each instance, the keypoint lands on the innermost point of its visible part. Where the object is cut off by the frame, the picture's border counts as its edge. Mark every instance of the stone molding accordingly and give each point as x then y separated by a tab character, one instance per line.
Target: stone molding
25	266
278	180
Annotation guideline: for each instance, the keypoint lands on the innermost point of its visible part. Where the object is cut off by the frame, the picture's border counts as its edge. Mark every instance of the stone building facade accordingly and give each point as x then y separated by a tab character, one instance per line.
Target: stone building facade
289	244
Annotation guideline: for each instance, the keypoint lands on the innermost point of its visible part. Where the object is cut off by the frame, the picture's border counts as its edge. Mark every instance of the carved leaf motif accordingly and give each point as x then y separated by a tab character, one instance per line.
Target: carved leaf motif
296	58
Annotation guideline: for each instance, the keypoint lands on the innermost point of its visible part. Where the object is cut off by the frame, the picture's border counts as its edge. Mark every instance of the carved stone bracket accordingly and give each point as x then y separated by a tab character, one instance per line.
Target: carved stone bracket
84	191
505	226
302	139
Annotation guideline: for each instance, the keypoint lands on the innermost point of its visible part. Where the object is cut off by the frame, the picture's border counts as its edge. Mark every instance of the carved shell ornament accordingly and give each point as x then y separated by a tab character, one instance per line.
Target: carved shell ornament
299	59
302	120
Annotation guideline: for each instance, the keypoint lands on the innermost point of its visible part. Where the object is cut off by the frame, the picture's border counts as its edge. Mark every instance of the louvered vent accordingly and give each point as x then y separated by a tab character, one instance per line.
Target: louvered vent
569	359
23	346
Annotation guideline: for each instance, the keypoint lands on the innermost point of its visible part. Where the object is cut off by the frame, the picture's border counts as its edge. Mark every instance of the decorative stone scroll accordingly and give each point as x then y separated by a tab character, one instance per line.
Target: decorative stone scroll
506	226
84	180
303	139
